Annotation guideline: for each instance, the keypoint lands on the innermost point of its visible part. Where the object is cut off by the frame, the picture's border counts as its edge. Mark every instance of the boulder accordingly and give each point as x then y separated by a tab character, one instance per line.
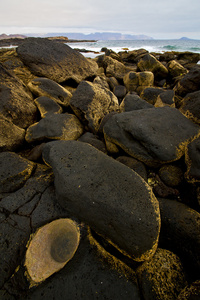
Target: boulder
180	232
150	94
120	92
93	140
14	171
55	61
47	106
192	159
110	197
190	106
189	83
16	101
138	81
175	69
11	136
91	103
154	136
171	175
159	188
135	55
149	63
134	164
56	127
112	81
162	277
49	88
133	102
190	57
165	99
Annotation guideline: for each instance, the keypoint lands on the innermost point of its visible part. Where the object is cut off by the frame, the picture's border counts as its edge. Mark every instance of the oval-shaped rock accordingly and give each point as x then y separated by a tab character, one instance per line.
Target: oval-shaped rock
110	197
50	248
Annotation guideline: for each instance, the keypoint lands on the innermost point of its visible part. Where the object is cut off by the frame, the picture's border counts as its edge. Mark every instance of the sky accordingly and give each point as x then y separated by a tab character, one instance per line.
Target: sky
160	19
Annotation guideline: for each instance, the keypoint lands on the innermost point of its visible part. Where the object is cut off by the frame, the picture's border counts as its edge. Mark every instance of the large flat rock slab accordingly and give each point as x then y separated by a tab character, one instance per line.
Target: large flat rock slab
55	61
154	136
114	200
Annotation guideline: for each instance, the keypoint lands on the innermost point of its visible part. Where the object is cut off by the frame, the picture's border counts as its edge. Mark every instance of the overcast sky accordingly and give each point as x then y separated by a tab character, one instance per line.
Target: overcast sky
156	18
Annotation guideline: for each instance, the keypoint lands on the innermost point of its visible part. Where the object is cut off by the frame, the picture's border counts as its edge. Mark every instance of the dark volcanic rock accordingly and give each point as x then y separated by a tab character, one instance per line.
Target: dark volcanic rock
149	136
55	127
16	100
55	61
192	159
180	231
133	102
47	106
138	81
93	140
165	99
111	198
189	83
151	94
162	277
190	106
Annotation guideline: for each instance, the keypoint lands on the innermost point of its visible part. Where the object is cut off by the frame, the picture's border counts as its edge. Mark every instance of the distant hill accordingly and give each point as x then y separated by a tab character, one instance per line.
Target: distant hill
11	36
184	38
100	36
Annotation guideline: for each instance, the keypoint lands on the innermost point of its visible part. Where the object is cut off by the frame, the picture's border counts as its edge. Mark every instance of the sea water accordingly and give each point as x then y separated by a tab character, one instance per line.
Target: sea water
158	46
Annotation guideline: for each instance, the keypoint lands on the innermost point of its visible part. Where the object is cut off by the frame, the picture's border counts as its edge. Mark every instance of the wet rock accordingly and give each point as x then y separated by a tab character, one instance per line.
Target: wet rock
171	175
134	164
11	136
16	103
14	171
93	140
190	106
189	83
55	61
87	185
150	63
133	102
138	81
149	136
192	159
165	99
180	231
49	88
162	277
50	248
47	106
151	94
91	103
56	127
190	292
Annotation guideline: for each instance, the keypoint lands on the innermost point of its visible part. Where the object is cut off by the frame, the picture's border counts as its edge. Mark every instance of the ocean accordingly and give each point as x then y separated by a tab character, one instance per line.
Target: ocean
158	46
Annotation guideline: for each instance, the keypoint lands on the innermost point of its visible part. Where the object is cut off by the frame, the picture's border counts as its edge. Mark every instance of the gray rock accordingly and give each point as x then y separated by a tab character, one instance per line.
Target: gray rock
14	171
138	81
134	164
180	231
111	198
133	102
154	136
162	277
165	99
49	88
120	92
11	136
47	106
151	94
55	126
55	61
93	140
91	103
16	102
189	83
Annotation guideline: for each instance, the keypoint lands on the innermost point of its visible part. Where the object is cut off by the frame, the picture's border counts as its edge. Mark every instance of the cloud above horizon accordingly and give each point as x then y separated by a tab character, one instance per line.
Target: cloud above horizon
159	19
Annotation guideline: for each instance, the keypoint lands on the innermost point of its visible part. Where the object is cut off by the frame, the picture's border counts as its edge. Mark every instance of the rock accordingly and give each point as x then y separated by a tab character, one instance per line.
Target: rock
165	99
49	88
91	103
111	198
161	277
112	81
190	292
135	55
149	63
55	61
134	164
120	92
175	69
47	106
92	274
189	83
138	81
11	136
14	171
151	94
56	127
148	136
102	81
190	106
180	232
190	57
93	140
16	102
167	56
35	153
159	188
192	159
50	248
133	102
171	175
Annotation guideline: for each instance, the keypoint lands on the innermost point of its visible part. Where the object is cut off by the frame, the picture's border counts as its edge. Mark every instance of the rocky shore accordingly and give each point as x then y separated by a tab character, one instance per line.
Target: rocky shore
100	174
